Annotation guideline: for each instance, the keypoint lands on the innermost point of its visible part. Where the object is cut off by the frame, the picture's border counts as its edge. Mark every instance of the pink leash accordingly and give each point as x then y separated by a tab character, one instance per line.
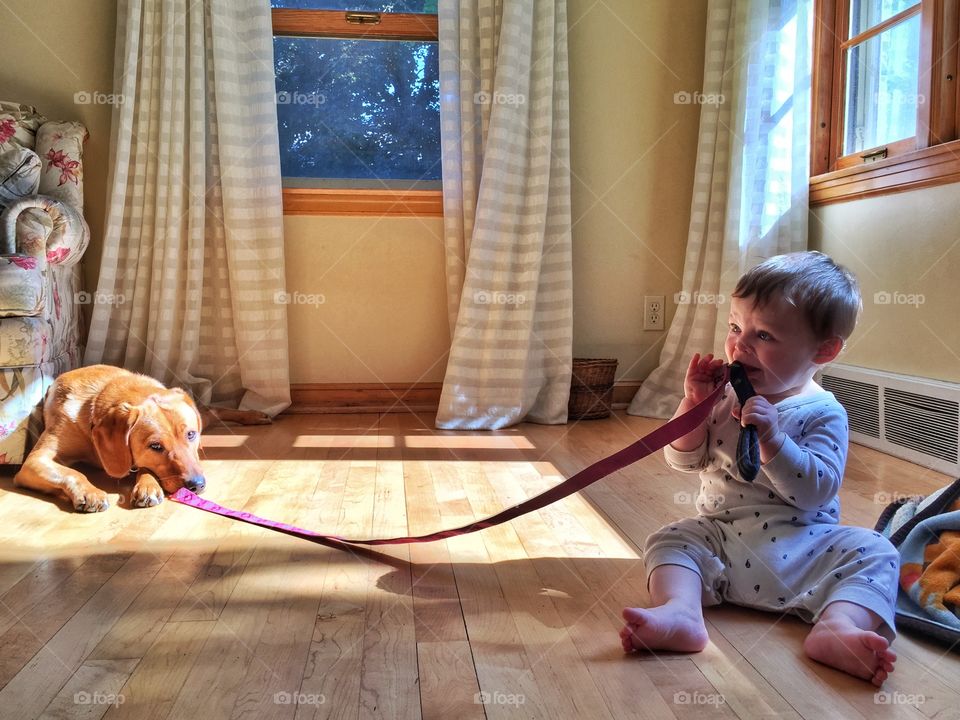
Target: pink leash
648	444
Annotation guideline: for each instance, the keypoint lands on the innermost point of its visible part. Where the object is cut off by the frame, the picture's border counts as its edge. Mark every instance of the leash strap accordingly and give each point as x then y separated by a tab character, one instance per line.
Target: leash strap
748	444
648	444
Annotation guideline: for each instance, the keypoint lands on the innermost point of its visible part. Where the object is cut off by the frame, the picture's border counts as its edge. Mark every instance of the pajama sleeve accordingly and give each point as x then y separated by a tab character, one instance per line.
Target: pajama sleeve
808	469
690	461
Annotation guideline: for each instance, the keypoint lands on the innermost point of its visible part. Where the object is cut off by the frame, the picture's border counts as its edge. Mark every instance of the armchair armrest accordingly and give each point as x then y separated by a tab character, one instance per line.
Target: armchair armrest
44	228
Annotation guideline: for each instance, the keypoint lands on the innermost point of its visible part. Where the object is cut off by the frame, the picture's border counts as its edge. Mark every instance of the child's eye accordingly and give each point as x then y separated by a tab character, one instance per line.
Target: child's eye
734	328
764	335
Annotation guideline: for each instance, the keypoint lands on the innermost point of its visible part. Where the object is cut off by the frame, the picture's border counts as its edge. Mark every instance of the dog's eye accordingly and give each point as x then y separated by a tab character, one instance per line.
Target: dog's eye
191	435
156	447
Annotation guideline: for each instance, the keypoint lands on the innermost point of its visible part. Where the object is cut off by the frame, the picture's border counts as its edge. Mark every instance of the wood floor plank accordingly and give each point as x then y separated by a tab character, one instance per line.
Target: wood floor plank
564	682
500	659
91	691
150	692
331	676
39	681
448	681
188	614
389	684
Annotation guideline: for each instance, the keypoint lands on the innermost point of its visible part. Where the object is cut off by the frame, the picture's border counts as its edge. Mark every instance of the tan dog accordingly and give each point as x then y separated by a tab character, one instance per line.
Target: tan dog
123	423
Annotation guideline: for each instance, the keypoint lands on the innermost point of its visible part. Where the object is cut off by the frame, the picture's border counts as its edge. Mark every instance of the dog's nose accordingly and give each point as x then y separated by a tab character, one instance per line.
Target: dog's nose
196	483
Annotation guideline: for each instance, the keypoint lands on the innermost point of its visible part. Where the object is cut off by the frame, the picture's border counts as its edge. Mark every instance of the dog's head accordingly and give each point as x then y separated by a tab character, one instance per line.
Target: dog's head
161	435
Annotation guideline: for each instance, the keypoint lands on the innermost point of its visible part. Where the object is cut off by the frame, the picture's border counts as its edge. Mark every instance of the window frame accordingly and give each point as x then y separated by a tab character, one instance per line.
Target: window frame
377	202
930	158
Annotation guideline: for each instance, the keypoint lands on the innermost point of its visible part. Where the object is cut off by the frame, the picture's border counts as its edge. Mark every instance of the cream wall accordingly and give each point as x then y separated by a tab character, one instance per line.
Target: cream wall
383	315
379	308
907	246
50	50
633	155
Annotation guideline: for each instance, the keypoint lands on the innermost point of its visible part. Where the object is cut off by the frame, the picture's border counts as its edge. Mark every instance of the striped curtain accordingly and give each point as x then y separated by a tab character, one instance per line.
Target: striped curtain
751	190
506	190
192	264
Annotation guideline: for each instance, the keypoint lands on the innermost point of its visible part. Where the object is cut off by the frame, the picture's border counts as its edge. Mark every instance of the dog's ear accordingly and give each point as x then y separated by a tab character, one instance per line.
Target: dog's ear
111	439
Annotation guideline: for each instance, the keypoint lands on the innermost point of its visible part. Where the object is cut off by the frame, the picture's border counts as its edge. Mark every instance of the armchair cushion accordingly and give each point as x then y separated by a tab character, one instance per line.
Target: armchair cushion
19	125
21	286
60	147
23	341
19	174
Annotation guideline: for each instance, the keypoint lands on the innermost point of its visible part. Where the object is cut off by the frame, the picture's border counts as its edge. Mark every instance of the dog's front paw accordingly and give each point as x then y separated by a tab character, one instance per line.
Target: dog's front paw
147	494
91	500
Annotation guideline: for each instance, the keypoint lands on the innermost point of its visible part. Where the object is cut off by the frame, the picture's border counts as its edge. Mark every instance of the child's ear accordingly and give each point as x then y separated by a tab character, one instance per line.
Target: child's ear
828	350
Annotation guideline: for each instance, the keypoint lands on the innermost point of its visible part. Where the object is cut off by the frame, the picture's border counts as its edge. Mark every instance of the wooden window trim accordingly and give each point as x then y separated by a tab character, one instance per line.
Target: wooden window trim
371	203
333	23
929	159
358	202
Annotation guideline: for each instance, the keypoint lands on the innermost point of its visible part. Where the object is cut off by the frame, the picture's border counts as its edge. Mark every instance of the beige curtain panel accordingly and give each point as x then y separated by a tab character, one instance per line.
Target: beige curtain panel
193	248
505	128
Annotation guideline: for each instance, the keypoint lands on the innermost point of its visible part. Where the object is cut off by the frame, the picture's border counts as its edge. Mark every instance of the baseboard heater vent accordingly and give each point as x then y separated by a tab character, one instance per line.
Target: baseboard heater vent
910	417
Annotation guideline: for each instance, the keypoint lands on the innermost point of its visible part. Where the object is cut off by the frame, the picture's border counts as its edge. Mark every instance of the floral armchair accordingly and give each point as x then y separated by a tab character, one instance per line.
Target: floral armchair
42	237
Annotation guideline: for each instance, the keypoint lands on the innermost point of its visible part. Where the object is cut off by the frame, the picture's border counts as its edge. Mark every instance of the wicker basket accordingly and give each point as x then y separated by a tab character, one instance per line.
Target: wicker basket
591	389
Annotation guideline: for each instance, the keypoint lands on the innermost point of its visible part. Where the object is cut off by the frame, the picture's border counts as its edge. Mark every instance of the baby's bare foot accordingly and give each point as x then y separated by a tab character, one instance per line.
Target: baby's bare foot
665	627
839	643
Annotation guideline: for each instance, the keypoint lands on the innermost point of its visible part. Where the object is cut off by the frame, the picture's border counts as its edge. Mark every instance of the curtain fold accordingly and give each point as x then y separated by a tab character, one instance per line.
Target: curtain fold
193	249
505	129
751	187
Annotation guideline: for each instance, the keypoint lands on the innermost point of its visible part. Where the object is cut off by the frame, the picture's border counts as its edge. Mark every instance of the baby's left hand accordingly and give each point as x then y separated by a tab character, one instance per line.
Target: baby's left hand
760	412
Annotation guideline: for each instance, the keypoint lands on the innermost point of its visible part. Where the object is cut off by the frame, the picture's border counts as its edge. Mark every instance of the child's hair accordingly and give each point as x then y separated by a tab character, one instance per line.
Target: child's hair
826	293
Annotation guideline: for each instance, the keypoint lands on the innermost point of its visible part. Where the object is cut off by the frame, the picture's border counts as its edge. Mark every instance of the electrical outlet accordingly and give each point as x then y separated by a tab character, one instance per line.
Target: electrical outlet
653	310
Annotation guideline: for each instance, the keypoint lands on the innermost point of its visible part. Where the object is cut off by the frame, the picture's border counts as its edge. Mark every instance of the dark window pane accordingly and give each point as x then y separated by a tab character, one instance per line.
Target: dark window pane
397	6
359	109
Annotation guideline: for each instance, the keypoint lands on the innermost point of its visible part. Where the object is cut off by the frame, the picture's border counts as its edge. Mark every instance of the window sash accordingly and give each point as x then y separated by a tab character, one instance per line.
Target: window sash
837	177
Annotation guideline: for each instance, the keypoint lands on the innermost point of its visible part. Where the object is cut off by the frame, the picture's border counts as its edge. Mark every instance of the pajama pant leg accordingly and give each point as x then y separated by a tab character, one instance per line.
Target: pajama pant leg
777	565
695	543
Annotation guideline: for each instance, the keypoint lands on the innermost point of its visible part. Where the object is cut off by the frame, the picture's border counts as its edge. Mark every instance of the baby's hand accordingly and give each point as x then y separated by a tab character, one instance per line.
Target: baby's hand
702	377
759	412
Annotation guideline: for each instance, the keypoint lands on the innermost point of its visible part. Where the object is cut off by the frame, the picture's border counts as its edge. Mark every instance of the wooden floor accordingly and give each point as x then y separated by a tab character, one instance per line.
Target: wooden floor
171	612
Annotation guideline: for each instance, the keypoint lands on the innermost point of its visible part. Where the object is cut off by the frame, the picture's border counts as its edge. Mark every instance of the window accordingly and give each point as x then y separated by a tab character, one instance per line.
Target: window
358	106
885	97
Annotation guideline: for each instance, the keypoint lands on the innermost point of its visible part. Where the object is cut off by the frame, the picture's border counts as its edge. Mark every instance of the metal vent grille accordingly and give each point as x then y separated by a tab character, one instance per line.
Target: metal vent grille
922	423
861	401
